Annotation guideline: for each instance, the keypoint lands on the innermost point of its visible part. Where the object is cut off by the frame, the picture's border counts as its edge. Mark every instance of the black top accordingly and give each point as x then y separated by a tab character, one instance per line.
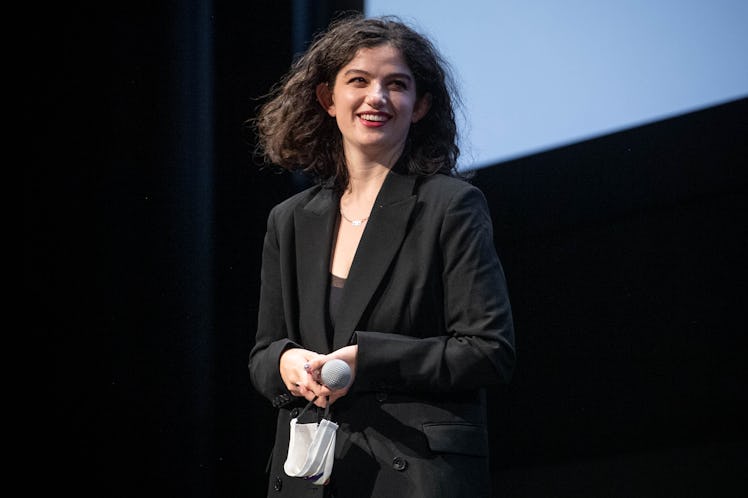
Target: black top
334	298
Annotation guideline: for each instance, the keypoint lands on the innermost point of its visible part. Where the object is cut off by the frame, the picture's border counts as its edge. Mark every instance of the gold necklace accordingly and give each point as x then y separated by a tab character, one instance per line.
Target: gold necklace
355	223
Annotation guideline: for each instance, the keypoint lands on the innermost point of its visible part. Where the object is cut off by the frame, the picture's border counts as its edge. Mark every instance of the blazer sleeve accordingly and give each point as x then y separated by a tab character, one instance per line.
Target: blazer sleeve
271	339
476	349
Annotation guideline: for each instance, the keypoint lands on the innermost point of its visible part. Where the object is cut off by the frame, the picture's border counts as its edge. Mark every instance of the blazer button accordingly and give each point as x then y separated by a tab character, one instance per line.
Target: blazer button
294	413
277	484
381	396
399	464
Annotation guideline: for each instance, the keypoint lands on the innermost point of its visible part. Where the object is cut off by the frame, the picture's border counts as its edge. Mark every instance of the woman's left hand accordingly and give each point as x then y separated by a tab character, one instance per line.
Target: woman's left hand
348	354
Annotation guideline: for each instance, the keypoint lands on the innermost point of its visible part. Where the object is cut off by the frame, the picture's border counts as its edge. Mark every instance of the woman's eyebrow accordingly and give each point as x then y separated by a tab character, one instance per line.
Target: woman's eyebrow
367	73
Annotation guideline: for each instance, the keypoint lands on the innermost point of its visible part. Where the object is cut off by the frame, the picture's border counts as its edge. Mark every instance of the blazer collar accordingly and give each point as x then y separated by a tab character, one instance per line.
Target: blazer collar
382	237
314	231
379	244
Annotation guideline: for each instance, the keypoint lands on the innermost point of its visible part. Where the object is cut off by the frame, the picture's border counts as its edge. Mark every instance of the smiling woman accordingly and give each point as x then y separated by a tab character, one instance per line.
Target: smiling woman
387	264
295	132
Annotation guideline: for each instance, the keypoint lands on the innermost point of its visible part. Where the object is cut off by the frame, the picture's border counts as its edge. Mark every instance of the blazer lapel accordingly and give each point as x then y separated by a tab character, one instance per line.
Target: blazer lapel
314	229
379	243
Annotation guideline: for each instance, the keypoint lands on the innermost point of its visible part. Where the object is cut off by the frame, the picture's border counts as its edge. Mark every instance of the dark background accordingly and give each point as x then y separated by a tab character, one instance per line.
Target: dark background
144	212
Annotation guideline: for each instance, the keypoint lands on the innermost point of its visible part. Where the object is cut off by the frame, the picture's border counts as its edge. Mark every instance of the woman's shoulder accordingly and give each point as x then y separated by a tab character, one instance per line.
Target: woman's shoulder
288	206
446	187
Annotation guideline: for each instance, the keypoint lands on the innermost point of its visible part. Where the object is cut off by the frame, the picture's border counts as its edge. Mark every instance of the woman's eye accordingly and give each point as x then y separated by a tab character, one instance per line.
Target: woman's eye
357	79
399	84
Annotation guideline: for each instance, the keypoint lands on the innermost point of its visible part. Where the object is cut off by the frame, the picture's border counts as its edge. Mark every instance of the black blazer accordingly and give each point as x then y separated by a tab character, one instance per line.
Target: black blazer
426	302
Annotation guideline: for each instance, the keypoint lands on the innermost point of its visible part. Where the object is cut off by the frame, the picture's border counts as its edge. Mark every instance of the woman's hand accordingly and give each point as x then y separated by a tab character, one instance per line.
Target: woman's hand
348	354
300	378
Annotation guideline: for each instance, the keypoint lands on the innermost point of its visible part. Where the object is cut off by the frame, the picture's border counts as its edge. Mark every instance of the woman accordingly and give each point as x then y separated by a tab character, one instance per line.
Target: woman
387	263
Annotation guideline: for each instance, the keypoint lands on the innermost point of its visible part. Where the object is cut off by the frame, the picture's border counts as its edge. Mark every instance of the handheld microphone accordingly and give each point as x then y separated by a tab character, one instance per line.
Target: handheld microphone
335	374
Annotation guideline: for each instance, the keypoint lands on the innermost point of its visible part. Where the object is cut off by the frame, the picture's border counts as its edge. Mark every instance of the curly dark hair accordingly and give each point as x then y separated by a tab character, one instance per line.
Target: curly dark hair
296	133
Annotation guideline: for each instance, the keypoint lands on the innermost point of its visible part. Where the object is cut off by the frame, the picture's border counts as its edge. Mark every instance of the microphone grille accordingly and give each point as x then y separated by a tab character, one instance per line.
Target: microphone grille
336	374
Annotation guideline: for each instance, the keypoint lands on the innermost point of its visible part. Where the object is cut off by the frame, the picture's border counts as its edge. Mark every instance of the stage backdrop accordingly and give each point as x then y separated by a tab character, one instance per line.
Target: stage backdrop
542	74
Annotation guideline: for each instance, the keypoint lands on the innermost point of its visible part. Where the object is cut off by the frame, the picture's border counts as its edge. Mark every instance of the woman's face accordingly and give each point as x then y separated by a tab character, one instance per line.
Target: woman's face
374	103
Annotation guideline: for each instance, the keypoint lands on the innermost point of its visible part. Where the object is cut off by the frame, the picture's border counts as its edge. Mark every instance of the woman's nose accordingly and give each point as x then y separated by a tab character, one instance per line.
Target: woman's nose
377	97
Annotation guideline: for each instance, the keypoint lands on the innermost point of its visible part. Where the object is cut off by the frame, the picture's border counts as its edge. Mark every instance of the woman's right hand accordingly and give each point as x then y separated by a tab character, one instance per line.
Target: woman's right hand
348	354
301	380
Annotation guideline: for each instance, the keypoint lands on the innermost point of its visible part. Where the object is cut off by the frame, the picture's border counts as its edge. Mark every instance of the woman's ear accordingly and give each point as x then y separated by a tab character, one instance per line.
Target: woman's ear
421	108
324	97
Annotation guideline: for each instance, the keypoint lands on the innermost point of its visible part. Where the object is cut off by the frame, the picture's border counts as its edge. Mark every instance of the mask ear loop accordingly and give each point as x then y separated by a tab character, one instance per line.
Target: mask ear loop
308	405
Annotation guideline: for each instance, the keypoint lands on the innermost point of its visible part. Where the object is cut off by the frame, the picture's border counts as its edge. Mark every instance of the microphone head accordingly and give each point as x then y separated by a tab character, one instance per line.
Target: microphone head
335	374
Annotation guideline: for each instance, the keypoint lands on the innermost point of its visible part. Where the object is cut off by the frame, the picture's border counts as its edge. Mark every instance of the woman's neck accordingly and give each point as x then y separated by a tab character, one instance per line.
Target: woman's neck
365	181
366	176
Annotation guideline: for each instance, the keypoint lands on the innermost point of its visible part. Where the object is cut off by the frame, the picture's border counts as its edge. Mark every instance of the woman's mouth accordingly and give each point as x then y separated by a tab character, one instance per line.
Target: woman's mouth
374	119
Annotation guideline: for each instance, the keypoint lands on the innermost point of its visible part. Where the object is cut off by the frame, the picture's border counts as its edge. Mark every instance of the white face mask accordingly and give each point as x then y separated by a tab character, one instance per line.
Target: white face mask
311	450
